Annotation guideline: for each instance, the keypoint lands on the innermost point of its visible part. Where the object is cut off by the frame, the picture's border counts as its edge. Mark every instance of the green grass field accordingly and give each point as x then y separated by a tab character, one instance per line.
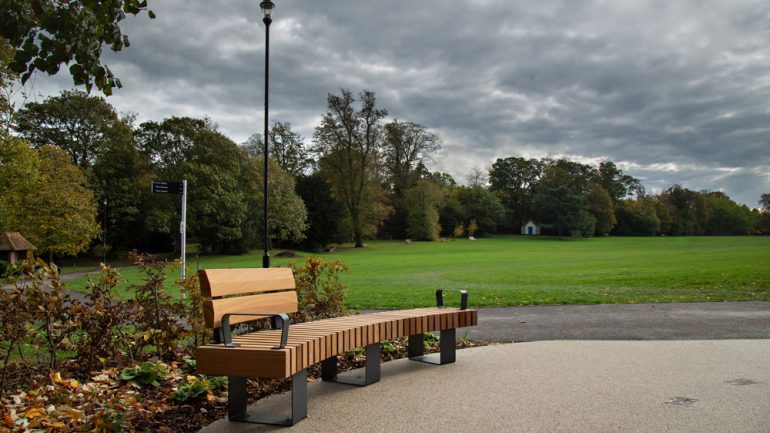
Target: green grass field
514	270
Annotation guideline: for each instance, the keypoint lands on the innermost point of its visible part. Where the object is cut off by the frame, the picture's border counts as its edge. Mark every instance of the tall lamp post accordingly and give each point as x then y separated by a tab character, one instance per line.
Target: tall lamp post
267	18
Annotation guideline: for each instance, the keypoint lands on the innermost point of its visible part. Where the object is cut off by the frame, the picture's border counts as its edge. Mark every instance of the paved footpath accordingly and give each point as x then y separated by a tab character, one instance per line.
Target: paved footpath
716	378
553	386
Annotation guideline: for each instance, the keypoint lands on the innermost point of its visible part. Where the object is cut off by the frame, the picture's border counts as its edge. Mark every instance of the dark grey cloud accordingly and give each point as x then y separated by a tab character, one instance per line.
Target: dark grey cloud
676	92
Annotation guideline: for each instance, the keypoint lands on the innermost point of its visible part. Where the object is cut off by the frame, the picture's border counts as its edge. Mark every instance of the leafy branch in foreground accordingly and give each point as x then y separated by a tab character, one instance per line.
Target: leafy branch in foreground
48	33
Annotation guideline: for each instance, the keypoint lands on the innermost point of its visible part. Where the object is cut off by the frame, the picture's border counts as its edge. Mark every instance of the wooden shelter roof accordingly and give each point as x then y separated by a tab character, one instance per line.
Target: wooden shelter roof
14	241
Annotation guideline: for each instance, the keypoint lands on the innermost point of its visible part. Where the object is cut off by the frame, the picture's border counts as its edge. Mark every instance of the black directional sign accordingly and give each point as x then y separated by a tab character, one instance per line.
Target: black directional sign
166	187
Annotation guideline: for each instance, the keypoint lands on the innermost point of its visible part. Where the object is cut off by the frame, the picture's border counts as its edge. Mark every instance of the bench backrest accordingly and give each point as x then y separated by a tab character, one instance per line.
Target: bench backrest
253	290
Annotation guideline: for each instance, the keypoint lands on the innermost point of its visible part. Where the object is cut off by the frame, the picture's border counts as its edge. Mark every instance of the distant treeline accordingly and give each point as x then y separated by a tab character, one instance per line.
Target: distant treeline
72	169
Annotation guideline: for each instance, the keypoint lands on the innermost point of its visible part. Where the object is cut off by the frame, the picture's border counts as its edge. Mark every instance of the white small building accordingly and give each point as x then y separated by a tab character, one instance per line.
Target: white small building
530	229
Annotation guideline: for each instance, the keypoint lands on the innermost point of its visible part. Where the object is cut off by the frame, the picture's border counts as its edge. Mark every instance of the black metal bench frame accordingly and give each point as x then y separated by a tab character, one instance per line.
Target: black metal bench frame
237	386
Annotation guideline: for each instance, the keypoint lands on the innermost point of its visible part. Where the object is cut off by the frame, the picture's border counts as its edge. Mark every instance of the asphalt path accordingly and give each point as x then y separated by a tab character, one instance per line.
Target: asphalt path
670	321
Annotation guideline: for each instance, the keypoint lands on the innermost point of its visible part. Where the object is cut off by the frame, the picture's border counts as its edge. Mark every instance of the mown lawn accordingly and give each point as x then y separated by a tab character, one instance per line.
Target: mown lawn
513	270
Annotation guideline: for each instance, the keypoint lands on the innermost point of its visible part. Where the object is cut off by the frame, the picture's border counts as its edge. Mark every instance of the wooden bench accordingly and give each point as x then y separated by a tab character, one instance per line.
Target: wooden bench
240	295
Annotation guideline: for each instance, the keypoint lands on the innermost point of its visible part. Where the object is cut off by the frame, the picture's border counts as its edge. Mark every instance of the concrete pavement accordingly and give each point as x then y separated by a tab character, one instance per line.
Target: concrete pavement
554	386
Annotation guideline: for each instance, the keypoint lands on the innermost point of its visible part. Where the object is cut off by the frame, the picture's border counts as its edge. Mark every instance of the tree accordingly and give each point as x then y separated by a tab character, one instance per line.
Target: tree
514	179
59	213
561	205
120	177
481	205
19	177
324	212
422	203
617	184
603	210
764	202
47	34
348	144
216	204
762	215
477	178
287	214
73	121
637	217
287	148
7	78
726	217
444	180
687	209
406	148
185	148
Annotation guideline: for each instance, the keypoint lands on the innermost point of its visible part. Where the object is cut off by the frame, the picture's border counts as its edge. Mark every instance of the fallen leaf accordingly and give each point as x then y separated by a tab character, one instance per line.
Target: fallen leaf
8	421
55	377
71	412
34	412
101	378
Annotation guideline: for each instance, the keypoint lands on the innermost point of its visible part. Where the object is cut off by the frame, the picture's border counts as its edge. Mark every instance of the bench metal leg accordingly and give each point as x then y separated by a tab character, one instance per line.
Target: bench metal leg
236	403
447	344
371	371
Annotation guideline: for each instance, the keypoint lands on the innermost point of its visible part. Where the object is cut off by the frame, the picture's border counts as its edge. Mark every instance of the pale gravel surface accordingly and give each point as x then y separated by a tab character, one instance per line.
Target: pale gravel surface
553	386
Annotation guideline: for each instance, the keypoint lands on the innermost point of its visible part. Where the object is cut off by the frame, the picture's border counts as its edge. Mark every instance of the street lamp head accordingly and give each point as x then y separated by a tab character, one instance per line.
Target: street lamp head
267	11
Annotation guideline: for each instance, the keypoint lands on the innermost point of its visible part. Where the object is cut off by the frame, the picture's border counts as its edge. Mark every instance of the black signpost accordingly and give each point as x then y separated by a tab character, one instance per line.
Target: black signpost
166	187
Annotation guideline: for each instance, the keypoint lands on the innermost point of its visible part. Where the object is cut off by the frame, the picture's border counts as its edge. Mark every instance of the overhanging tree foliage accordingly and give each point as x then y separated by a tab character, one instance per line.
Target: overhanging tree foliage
50	33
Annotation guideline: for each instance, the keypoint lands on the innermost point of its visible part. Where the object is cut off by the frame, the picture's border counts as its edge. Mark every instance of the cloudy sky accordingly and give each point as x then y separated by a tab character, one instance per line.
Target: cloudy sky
672	91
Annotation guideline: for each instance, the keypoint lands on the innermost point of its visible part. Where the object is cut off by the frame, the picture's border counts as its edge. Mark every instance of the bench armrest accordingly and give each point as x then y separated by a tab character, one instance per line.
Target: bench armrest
281	319
463	297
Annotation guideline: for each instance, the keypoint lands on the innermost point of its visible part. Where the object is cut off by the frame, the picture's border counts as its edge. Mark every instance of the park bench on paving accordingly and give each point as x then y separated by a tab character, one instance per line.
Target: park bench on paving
286	351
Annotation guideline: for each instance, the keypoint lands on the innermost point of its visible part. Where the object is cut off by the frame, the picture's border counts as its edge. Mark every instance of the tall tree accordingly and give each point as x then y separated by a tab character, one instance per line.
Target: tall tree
763	216
687	209
602	208
287	214
480	205
618	184
287	148
422	203
561	204
19	177
73	121
324	212
764	202
406	148
120	177
348	142
185	148
726	217
59	214
47	34
637	217
514	179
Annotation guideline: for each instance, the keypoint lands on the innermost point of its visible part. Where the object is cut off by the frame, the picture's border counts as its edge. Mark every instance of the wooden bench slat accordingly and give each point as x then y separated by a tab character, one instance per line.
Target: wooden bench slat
281	302
224	282
312	342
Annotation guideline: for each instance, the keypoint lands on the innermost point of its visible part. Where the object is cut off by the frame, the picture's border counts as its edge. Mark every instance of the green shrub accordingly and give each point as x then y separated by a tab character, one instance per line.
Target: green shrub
319	289
145	374
198	388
